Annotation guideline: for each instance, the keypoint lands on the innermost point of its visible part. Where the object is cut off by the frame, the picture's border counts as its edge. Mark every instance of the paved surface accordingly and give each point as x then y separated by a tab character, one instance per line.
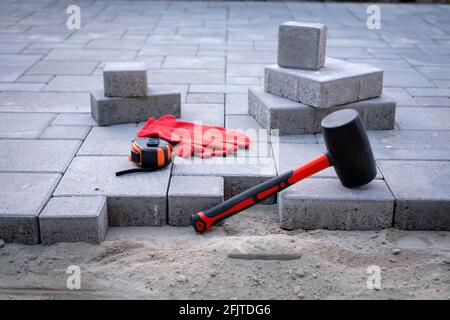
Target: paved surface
211	52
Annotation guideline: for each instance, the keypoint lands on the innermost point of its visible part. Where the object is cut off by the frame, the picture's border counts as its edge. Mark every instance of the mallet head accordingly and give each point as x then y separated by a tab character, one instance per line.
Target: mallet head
349	148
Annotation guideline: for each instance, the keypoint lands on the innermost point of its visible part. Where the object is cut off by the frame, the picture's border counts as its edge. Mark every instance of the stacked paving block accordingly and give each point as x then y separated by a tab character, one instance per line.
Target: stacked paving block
304	86
127	98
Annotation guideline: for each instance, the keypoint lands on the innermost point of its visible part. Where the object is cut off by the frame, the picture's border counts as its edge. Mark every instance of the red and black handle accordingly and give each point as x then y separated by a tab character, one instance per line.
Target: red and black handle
204	220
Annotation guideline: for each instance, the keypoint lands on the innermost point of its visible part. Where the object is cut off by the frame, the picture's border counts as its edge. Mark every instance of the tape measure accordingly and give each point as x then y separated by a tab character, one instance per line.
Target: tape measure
150	154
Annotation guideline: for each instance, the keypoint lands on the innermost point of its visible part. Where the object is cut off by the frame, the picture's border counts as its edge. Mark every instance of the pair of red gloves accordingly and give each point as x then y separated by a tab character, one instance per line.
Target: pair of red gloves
189	138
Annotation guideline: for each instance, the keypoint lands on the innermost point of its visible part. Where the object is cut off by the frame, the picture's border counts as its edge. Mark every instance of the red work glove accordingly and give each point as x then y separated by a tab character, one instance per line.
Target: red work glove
189	138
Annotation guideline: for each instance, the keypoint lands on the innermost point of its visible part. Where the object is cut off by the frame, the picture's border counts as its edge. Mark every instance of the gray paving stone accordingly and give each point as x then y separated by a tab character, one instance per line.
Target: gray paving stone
66	132
191	194
16	60
291	155
158	102
236	103
74	83
326	204
24	125
133	200
44	102
289	117
423	118
35	78
194	62
433	101
206	114
74	119
405	79
338	82
91	54
422	193
400	96
239	173
10	74
125	79
21	86
302	45
74	219
410	145
217	88
166	50
109	141
22	197
36	155
186	76
205	98
63	67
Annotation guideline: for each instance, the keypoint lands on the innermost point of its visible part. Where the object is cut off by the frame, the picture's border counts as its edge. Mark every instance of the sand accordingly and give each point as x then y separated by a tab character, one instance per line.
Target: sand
248	257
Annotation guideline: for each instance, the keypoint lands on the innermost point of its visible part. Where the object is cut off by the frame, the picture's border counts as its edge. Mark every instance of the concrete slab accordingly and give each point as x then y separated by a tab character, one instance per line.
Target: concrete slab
20	101
74	119
109	141
24	125
133	200
239	173
191	194
22	197
37	155
66	132
158	102
338	82
211	114
125	79
423	118
289	117
302	45
422	193
74	219
326	204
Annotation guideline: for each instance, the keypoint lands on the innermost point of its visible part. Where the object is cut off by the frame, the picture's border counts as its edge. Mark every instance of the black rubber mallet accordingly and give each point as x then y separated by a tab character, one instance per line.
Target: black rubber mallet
349	152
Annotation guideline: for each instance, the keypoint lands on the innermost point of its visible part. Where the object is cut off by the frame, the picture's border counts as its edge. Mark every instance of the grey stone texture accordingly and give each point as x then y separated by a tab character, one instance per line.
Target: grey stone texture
22	197
239	173
190	194
37	155
337	82
133	200
326	204
125	79
66	132
74	219
24	125
158	102
289	117
421	191
302	45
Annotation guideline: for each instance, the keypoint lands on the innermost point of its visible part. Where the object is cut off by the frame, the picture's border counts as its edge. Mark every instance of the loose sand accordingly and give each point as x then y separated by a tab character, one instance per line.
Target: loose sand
248	257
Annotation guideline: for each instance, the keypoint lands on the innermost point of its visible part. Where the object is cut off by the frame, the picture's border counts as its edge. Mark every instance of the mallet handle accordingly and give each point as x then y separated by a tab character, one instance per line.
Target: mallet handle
204	220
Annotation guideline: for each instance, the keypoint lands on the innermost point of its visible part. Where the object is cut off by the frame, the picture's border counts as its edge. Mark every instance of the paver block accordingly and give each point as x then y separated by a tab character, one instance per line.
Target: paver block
239	173
22	197
422	193
109	141
24	125
326	204
37	155
74	119
290	117
301	45
158	102
66	132
191	194
133	200
74	219
337	82
125	79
